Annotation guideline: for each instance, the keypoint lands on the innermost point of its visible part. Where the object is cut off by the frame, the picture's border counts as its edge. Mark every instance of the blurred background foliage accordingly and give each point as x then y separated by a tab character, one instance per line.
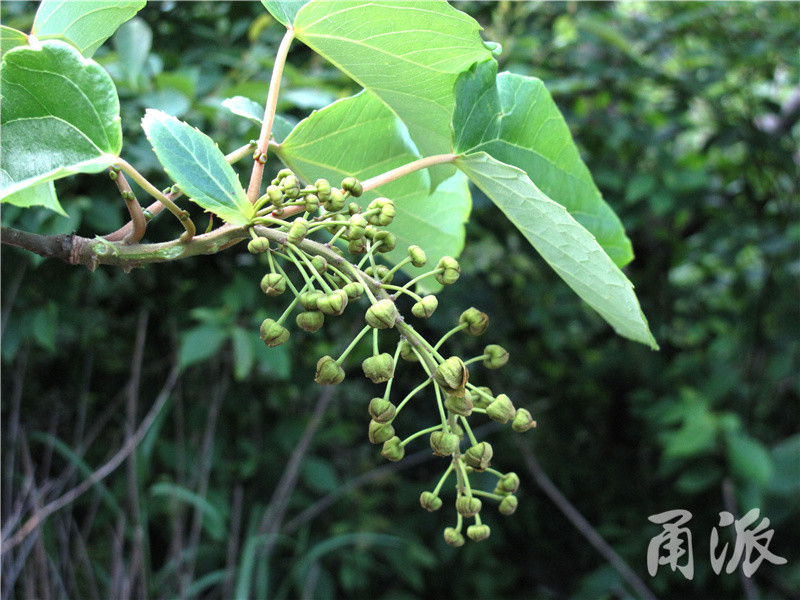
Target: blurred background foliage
686	114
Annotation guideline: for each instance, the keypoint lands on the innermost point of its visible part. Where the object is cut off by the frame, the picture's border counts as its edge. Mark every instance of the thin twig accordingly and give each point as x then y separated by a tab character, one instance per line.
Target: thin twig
235	531
581	524
138	222
39	516
402	170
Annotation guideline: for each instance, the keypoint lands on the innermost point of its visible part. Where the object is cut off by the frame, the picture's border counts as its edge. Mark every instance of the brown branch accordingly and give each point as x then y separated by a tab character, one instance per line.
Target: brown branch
138	222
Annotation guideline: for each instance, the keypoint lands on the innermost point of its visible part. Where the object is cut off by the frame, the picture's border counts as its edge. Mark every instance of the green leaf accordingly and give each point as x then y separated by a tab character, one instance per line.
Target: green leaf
572	251
244	355
86	24
43	194
60	116
358	136
11	38
749	459
200	343
213	519
407	53
319	475
284	10
198	166
515	120
244	107
132	43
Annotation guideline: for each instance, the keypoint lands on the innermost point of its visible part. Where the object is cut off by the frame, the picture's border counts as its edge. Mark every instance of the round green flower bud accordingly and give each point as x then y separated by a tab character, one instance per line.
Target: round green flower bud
309	299
379	272
479	456
353	208
407	352
312	203
453	537
297	231
323	188
354	290
382	315
283	174
370	231
496	356
358	246
444	444
387	241
328	372
425	307
258	246
273	284
430	502
523	421
458	405
452	376
380	432
352	185
476	321
334	303
468	506
291	187
379	368
382	410
478	533
501	409
272	333
381	212
508	483
320	264
418	256
508	505
479	400
275	195
334	201
449	270
356	226
393	450
310	320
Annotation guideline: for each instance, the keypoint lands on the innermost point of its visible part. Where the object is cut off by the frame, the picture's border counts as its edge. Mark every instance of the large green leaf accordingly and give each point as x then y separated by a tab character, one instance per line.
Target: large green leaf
514	119
43	194
11	38
198	166
358	136
407	53
60	116
572	251
87	24
284	10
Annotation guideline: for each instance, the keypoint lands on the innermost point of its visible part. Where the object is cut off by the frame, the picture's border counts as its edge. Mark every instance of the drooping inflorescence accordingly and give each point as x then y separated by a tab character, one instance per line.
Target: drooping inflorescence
328	281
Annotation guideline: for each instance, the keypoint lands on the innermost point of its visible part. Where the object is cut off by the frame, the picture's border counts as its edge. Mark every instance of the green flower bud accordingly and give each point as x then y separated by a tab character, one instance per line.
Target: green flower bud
478	533
333	304
258	245
382	314
523	421
334	201
387	241
479	400
310	320
449	270
418	256
352	185
458	430
453	537
353	208
297	231
354	290
312	203
320	264
272	333
508	505
382	410
508	483
476	321
323	188
407	352
328	372
358	246
275	195
291	187
282	174
479	456
309	299
501	409
379	272
496	356
380	432
370	231
425	307
444	444
357	224
452	376
430	502
393	450
468	506
273	284
379	368
458	405
381	211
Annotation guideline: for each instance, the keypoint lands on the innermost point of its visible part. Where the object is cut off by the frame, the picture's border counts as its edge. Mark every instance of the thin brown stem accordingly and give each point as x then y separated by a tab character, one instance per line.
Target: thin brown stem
269	115
138	222
422	163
